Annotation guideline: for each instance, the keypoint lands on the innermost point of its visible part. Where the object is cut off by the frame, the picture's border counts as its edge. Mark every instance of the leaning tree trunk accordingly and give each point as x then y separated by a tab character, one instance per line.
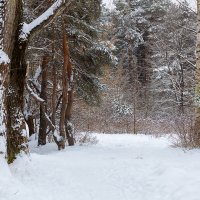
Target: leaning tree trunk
43	107
197	78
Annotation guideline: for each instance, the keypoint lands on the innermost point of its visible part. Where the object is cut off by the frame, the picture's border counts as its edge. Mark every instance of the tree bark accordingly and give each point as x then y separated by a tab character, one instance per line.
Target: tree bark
43	108
54	78
68	124
64	87
3	79
3	119
53	100
70	95
16	128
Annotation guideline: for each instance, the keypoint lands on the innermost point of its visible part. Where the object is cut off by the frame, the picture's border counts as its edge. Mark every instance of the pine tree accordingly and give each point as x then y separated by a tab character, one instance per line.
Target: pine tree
87	57
135	24
174	59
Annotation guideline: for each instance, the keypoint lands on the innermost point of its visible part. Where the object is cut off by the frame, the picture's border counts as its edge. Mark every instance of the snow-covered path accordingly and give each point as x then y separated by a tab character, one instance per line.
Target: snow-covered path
120	167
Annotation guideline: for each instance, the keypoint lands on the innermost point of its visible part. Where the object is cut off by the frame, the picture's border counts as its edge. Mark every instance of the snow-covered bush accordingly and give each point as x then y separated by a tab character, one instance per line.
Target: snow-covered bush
85	138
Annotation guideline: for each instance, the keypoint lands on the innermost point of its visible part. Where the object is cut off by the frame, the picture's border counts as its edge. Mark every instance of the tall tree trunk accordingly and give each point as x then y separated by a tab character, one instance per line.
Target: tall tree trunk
3	119
59	141
3	80
197	78
64	86
43	108
54	77
16	127
70	94
53	100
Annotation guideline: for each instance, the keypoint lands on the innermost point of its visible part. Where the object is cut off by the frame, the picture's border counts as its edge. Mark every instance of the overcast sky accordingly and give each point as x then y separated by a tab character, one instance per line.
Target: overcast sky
191	2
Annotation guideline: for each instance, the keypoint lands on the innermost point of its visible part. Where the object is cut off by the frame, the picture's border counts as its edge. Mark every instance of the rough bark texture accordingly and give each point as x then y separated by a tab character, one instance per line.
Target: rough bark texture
54	82
197	89
43	107
68	124
16	129
64	87
3	79
10	25
3	119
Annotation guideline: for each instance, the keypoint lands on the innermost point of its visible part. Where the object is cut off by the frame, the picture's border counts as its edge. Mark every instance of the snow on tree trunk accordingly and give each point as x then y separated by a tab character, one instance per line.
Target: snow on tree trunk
16	126
4	61
3	76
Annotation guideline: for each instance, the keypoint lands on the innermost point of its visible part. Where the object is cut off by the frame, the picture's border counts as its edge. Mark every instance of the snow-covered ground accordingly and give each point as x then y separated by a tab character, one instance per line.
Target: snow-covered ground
119	167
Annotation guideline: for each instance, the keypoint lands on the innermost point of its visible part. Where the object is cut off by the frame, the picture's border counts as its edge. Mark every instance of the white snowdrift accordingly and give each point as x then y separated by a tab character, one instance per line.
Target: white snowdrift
120	167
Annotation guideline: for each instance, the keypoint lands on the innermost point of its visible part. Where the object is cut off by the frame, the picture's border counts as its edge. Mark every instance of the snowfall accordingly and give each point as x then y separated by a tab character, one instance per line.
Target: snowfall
119	167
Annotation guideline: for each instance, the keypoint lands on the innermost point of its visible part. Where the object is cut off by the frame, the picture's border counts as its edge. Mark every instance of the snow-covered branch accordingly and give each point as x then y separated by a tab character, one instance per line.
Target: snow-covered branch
29	30
34	95
34	81
49	122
